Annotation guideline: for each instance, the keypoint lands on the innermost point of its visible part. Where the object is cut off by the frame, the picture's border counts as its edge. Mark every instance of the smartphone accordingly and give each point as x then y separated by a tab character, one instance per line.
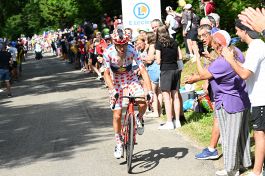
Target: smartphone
201	47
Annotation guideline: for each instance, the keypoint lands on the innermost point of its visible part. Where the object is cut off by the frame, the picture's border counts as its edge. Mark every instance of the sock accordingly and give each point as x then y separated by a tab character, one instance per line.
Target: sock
118	138
211	149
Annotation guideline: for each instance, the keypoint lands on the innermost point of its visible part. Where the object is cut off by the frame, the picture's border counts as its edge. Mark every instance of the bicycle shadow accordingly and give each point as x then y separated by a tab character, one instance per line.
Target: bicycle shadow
147	160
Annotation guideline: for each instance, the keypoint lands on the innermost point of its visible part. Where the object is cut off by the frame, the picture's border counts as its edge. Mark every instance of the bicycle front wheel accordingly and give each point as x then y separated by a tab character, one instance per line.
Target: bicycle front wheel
130	143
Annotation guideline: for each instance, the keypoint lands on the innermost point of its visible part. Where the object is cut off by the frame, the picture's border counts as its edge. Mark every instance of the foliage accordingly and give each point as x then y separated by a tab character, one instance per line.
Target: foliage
59	14
32	16
14	26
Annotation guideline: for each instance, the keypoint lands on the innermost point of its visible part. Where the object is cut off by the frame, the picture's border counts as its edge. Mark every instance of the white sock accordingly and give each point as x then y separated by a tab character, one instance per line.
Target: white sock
118	138
211	149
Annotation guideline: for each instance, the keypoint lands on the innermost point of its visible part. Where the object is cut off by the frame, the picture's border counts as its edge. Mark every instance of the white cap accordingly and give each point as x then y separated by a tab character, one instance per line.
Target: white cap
168	8
215	16
95	26
187	6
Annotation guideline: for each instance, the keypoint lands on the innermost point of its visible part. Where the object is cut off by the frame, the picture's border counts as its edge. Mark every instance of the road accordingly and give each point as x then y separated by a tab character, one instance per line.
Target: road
58	123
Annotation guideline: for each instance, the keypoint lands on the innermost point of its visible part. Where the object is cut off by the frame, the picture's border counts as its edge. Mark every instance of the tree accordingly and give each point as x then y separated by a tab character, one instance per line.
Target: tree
57	13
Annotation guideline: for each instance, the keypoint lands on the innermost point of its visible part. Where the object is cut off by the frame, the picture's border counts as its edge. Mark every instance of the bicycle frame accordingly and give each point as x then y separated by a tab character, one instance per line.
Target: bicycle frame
129	111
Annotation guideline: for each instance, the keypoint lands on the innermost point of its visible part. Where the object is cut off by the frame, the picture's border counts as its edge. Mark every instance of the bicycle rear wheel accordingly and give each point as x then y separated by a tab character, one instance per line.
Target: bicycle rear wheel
130	143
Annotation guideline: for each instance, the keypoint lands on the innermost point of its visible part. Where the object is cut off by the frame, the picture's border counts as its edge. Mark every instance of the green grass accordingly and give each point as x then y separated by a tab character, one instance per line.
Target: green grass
199	127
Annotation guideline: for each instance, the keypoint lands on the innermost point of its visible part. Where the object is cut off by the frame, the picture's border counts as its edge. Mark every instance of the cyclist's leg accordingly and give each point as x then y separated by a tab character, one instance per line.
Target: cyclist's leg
117	113
117	124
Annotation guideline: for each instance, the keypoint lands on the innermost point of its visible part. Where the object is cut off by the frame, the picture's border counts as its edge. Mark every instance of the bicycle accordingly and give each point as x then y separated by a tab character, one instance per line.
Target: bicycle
128	127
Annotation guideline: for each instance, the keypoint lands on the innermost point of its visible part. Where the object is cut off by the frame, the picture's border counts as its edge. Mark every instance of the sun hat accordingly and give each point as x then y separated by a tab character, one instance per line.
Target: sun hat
222	37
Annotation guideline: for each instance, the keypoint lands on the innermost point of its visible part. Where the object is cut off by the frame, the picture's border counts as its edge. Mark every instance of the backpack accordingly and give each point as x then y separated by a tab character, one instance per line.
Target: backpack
195	21
177	24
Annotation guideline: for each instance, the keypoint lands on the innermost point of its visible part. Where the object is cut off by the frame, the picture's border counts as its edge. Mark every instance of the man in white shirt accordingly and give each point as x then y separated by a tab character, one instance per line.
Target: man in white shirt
170	22
253	71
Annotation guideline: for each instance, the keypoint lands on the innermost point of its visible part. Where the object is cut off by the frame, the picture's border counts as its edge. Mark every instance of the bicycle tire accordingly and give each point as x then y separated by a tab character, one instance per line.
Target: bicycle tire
130	143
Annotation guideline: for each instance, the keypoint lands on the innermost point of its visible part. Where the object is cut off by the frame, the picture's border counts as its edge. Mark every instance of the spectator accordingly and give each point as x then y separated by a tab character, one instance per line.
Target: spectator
167	54
155	24
105	30
216	17
171	22
13	51
153	70
253	71
208	6
190	30
231	104
210	152
5	62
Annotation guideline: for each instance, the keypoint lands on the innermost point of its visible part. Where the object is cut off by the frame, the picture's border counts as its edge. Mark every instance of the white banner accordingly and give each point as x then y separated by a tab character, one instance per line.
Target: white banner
138	14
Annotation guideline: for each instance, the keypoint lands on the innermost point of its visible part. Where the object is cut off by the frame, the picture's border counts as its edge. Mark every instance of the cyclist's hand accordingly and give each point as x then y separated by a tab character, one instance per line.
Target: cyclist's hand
113	94
150	96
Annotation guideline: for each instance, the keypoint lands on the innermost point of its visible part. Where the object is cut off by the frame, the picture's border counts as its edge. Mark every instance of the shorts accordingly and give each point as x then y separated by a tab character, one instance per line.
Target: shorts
129	82
14	65
178	84
169	80
83	57
4	74
192	34
154	72
93	58
258	118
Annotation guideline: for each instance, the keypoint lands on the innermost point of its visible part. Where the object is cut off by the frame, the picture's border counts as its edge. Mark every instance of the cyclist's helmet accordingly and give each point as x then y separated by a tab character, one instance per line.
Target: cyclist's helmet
119	37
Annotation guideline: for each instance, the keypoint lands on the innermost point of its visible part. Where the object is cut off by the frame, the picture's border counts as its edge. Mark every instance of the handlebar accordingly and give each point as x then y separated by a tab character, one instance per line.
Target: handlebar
132	98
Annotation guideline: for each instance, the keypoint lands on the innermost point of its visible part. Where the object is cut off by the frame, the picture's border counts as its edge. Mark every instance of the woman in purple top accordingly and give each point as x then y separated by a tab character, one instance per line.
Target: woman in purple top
231	104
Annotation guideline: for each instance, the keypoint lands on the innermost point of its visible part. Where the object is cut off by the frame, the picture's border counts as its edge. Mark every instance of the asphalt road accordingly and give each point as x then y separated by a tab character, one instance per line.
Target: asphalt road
58	123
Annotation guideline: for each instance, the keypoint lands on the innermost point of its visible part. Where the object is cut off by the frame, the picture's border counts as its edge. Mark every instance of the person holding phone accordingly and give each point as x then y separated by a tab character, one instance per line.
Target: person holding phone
232	104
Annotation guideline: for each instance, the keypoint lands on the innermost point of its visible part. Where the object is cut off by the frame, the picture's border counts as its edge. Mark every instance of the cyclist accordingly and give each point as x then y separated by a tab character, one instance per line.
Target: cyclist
119	76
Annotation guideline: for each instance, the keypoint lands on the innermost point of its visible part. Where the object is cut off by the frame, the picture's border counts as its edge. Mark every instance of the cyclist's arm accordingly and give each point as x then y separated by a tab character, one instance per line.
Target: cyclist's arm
107	76
108	79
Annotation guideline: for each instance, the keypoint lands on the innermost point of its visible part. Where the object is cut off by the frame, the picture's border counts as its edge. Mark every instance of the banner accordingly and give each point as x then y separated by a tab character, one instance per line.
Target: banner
138	14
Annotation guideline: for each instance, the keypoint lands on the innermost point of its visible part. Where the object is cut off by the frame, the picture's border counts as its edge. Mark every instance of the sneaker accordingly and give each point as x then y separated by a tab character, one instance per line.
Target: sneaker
151	115
252	174
118	151
140	125
177	123
207	154
167	126
224	173
9	95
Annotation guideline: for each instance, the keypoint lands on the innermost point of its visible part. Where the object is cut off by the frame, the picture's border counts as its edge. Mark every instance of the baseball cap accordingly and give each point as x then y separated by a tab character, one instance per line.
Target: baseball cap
215	16
107	36
187	6
168	8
